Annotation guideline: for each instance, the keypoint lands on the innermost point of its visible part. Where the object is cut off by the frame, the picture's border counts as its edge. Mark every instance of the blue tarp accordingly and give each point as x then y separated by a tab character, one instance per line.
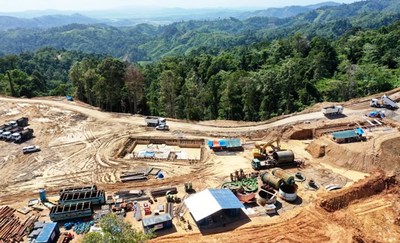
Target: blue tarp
344	134
223	143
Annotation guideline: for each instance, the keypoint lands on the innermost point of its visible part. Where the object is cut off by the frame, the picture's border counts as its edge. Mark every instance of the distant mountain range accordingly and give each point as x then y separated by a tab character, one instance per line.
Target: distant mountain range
148	42
131	17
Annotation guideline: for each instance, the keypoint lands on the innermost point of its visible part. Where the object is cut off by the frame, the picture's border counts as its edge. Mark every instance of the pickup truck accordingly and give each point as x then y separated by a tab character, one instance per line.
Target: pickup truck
30	149
162	128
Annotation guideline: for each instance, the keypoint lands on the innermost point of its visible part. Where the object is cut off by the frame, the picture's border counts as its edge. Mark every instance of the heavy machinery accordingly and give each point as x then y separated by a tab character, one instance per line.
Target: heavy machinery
22	136
283	158
332	110
8	134
23	121
260	151
162	128
384	101
153	121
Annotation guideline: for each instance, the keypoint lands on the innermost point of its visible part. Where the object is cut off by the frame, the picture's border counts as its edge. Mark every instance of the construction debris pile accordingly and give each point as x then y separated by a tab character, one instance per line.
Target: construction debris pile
11	228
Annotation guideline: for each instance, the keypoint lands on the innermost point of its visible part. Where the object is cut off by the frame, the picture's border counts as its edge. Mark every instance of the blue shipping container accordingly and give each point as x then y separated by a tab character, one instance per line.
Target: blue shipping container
49	234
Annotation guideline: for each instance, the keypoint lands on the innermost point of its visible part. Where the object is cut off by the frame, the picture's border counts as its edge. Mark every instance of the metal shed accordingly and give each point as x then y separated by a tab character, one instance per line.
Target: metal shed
205	204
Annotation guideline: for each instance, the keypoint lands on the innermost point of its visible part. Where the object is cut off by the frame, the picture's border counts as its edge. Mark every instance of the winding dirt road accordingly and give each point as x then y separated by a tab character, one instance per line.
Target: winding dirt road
175	124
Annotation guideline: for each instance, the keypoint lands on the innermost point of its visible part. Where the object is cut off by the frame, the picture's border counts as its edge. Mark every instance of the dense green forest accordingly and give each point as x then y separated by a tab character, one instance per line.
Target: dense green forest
146	42
245	82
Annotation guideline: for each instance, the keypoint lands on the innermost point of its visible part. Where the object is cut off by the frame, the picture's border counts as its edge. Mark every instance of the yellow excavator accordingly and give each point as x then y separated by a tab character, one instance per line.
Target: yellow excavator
260	151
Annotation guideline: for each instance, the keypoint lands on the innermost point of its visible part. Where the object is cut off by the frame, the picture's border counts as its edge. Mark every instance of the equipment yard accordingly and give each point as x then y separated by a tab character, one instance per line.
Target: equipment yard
329	178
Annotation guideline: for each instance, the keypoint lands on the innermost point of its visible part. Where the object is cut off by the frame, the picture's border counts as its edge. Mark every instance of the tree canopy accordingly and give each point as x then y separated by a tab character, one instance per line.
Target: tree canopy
116	230
245	82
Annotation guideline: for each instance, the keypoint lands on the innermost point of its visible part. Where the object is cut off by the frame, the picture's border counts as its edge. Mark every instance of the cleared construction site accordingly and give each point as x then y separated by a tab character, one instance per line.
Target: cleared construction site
309	177
168	149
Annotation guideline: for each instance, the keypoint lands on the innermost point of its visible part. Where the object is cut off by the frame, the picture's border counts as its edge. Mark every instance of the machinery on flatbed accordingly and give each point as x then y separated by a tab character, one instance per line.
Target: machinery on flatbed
283	158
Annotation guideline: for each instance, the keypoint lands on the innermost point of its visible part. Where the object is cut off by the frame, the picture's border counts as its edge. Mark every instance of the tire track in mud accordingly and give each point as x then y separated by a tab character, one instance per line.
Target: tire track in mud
305	226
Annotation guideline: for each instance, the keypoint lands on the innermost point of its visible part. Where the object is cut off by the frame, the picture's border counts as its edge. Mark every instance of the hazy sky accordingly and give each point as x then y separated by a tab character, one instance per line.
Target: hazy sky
22	5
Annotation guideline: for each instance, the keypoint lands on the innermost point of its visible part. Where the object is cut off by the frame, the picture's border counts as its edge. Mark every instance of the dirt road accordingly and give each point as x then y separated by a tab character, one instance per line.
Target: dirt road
175	124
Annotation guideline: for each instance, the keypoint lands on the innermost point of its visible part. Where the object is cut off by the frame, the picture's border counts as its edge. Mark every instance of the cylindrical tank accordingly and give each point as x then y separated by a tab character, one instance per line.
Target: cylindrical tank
287	178
271	180
288	192
284	156
42	195
265	197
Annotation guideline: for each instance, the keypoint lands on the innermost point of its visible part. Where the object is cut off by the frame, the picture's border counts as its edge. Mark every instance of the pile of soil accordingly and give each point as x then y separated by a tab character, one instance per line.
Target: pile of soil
362	189
389	158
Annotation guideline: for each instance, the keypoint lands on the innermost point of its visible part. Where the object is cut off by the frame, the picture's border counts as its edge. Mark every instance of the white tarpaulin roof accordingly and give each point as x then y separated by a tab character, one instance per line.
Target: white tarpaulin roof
210	201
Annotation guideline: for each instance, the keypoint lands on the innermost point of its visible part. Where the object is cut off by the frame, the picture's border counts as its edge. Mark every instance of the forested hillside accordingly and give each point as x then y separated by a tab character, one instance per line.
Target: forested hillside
149	43
246	82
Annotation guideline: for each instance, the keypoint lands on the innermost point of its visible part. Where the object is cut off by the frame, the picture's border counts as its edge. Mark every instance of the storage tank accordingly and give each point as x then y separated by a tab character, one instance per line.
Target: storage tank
288	192
285	156
271	180
265	197
42	195
286	177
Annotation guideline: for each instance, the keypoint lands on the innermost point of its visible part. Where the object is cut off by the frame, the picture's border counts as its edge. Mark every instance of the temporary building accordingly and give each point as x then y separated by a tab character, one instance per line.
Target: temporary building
206	203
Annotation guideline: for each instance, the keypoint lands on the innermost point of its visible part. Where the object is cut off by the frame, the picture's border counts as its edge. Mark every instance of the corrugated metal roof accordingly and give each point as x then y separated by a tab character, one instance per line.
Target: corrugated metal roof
344	134
210	201
47	230
158	219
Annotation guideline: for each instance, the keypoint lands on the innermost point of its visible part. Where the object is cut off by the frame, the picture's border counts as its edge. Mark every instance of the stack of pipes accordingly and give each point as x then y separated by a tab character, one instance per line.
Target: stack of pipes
11	228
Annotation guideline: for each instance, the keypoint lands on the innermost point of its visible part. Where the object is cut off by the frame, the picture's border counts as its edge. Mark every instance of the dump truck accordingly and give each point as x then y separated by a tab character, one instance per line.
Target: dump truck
23	121
22	136
5	128
384	102
153	121
332	110
7	135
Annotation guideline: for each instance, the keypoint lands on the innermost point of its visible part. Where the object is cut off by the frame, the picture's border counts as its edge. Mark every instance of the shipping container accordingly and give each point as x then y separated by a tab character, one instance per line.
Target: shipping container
49	234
